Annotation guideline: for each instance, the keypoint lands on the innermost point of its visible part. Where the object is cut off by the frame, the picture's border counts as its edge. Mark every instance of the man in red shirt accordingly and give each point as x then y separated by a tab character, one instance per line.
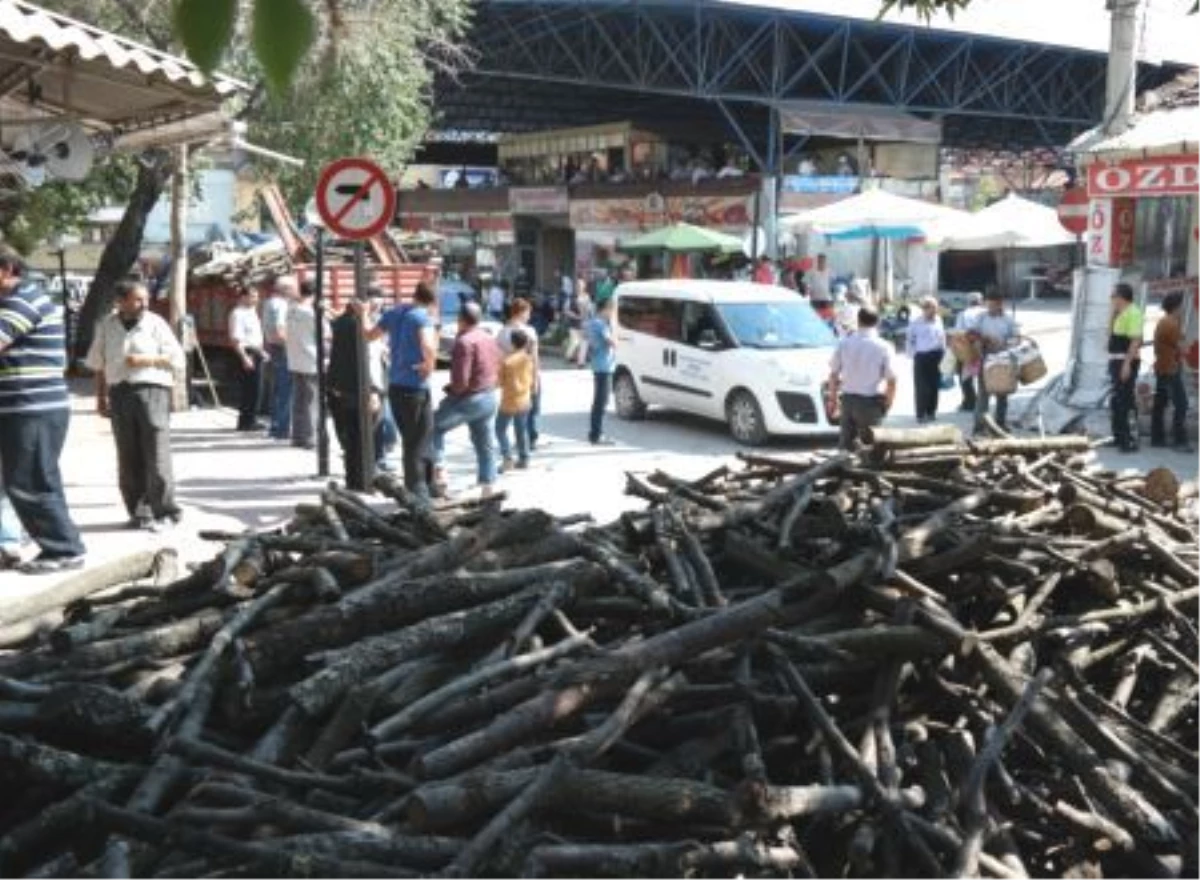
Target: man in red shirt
470	399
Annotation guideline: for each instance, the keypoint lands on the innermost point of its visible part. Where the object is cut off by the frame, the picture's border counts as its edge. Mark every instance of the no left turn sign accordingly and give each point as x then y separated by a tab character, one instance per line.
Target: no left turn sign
355	198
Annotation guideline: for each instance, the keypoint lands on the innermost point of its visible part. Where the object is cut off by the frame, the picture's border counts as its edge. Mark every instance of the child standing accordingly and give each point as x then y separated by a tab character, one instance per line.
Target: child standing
516	394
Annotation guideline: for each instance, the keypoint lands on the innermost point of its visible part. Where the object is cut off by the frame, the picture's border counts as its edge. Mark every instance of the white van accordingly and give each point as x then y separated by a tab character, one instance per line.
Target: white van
752	355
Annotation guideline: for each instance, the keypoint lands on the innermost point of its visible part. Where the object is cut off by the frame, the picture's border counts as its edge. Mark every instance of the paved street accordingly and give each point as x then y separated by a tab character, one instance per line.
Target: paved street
229	481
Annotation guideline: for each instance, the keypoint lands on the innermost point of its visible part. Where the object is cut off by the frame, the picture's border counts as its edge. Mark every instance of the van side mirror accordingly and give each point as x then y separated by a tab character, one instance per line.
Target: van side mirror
709	339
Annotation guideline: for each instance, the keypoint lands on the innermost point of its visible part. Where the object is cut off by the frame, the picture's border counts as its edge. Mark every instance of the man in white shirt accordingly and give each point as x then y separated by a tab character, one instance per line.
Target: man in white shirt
301	332
925	343
818	281
495	300
136	358
861	364
274	324
246	336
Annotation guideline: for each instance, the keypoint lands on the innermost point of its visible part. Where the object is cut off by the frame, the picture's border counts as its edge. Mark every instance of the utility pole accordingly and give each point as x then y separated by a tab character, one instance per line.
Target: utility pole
177	302
1121	88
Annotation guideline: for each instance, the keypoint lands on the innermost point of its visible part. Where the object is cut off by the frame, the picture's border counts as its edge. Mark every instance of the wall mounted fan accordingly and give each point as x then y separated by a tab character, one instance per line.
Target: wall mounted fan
52	149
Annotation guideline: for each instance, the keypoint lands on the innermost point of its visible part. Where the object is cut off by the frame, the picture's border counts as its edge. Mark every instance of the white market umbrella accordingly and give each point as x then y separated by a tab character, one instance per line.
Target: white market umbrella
874	213
1011	223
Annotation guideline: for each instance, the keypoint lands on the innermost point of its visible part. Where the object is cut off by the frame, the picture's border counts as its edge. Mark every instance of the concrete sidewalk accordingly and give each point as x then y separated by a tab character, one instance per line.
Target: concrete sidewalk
226	481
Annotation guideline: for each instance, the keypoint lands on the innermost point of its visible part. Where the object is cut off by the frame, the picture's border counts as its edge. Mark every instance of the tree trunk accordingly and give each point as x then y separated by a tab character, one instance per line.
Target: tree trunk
121	252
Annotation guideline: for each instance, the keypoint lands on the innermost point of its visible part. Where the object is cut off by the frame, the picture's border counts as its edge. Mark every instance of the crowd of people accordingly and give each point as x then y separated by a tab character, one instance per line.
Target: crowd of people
494	388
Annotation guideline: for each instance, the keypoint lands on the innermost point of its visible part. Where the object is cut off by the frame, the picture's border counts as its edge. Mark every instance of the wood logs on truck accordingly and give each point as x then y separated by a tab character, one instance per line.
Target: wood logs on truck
903	663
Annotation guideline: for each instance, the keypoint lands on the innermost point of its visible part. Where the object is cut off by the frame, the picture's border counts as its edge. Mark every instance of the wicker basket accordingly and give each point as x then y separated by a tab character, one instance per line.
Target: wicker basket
1030	365
960	344
1000	373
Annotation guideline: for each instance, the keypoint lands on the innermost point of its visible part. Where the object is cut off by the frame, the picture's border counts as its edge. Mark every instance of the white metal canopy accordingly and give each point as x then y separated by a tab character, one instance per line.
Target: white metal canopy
54	66
1012	222
874	212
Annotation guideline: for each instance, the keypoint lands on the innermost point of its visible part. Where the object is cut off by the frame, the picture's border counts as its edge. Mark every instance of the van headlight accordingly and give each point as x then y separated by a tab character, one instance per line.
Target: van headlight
800	380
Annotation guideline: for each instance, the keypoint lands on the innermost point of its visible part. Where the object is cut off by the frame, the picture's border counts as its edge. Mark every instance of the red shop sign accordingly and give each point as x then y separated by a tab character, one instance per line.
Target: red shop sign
1156	176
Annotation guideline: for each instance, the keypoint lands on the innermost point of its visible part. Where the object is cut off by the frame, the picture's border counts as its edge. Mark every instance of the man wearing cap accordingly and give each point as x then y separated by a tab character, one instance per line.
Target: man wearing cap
470	399
967	372
992	331
861	364
1124	359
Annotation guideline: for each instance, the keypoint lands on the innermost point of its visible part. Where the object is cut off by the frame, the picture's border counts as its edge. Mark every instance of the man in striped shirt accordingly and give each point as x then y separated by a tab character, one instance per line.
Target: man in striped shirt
34	412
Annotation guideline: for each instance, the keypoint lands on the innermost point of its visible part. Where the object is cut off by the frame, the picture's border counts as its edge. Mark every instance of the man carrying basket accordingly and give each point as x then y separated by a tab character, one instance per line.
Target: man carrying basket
992	332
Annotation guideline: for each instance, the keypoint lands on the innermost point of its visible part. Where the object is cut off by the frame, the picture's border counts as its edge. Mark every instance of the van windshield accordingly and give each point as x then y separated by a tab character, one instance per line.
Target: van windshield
776	325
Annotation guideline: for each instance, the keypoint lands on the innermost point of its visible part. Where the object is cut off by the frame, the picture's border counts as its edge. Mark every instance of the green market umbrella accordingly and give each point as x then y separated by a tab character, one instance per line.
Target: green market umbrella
682	238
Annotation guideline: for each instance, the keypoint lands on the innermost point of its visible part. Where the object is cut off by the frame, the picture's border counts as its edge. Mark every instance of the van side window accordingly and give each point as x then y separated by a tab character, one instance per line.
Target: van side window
702	327
653	316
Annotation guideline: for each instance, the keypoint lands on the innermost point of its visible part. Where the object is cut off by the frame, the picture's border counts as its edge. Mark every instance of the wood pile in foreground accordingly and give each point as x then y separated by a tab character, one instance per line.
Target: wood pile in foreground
936	658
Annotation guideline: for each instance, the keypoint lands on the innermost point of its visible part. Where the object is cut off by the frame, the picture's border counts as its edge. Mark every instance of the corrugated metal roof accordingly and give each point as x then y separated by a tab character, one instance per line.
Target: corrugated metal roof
1167	122
53	64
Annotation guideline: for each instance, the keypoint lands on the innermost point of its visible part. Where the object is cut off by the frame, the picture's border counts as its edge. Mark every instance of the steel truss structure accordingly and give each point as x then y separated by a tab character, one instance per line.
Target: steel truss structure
705	63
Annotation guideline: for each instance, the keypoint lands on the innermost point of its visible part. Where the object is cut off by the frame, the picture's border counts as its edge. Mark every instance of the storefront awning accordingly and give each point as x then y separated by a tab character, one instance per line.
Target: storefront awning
564	141
52	66
1159	133
870	123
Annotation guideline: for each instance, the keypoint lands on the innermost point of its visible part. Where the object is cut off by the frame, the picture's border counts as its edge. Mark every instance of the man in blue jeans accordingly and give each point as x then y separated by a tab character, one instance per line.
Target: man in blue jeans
470	399
11	533
34	414
602	346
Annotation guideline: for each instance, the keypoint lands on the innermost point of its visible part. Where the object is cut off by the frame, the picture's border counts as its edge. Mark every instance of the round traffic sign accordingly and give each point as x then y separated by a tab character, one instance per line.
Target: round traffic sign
355	199
1073	210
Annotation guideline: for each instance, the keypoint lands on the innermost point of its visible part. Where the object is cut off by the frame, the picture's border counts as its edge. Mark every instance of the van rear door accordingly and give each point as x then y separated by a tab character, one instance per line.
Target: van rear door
648	337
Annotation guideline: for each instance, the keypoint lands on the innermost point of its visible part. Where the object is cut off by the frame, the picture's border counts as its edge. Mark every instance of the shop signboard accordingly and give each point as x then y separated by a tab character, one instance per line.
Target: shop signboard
820	183
538	200
1111	228
628	215
1147	177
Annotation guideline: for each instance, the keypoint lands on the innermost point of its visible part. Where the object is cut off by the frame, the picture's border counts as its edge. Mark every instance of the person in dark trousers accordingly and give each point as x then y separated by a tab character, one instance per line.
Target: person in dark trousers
136	359
34	414
1168	373
990	332
861	364
602	345
1124	359
345	398
246	334
968	373
413	344
301	353
926	345
275	311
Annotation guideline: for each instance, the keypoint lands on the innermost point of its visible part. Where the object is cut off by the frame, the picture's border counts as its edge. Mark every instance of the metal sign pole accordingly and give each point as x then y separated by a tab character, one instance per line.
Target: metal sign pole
322	373
366	429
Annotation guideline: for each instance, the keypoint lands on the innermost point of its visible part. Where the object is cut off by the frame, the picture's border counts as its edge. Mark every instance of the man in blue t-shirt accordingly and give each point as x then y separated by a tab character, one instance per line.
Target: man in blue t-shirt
412	340
34	413
603	348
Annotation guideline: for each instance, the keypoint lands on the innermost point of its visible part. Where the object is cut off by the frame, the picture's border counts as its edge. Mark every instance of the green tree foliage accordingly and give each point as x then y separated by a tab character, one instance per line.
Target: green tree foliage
367	92
37	215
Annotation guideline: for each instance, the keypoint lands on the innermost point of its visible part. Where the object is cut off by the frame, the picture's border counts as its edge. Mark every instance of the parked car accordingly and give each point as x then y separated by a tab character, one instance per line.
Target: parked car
753	356
452	295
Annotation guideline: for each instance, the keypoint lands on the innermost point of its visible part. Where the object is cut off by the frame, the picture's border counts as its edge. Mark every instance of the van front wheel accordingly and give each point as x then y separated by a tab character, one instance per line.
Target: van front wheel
629	403
745	419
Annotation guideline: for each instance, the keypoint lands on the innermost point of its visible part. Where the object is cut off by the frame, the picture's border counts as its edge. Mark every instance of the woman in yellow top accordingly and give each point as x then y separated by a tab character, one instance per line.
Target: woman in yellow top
516	396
